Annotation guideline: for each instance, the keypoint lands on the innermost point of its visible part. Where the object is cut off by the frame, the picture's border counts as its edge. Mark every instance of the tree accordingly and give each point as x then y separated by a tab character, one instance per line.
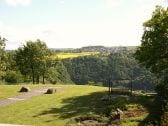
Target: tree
2	57
153	52
57	72
31	59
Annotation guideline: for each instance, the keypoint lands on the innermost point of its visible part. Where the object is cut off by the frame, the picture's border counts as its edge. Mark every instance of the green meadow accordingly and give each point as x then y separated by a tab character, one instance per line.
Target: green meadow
63	107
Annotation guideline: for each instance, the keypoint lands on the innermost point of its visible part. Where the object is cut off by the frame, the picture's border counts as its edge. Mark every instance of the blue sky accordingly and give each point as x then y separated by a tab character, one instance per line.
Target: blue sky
75	23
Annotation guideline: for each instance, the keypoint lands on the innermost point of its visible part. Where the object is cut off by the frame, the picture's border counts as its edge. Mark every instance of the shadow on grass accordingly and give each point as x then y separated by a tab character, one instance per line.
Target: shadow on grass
154	109
77	106
84	105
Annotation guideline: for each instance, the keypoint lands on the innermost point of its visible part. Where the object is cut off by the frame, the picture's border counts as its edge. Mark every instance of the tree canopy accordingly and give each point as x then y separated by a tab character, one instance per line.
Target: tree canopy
31	58
153	52
2	56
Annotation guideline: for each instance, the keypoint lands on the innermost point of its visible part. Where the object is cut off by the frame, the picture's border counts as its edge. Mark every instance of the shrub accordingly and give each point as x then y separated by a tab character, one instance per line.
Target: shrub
13	77
162	90
164	119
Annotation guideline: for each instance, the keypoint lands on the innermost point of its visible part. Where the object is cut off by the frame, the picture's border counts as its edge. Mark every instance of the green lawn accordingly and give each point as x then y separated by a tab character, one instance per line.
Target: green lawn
7	91
55	109
59	108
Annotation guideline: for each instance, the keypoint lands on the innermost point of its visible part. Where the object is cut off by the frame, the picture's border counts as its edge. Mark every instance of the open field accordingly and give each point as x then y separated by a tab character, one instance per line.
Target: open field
73	55
74	101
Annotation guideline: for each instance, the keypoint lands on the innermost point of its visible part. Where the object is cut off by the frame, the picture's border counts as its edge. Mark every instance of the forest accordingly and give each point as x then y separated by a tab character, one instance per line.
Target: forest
35	62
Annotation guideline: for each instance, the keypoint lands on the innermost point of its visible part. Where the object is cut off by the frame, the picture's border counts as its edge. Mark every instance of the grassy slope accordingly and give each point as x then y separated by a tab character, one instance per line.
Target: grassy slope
55	109
7	91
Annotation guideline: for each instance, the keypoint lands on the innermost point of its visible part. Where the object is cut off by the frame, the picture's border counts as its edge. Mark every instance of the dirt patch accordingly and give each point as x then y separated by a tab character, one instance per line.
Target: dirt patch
134	113
89	121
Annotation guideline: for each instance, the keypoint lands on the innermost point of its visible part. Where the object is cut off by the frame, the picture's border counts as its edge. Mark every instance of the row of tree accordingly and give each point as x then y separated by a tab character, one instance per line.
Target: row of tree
33	61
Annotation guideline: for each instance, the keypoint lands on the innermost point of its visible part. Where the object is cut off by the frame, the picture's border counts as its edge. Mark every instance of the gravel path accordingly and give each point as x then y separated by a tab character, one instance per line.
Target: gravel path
25	96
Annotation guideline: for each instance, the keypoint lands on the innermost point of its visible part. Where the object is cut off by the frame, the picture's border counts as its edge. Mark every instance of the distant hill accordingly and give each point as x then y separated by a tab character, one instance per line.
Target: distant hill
101	49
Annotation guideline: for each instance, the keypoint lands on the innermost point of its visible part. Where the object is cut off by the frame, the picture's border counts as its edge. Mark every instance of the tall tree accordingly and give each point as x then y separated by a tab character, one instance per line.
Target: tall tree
153	52
2	57
31	59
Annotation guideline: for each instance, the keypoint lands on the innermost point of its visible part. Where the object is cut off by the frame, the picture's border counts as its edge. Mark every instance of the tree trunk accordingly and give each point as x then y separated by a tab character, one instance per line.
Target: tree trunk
33	75
43	79
37	79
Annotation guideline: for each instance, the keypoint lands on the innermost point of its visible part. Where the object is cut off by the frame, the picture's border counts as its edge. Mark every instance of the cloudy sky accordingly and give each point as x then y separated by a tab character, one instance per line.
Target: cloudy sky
75	23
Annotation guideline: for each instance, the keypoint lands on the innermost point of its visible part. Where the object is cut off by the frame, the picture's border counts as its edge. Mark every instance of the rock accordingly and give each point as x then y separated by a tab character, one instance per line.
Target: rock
118	114
24	89
114	114
51	91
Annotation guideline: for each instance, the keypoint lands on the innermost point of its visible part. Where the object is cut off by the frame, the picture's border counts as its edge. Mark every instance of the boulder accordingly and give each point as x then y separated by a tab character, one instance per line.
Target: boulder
51	91
114	115
24	89
118	114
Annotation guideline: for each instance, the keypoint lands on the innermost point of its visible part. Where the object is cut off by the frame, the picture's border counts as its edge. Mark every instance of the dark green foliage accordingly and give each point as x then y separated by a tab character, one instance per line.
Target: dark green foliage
2	57
34	60
154	48
31	59
119	67
162	90
86	69
13	77
57	72
153	52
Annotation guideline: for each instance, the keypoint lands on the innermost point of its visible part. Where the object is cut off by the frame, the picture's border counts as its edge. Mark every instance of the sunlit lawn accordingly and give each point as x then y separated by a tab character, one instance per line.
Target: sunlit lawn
52	110
7	91
59	108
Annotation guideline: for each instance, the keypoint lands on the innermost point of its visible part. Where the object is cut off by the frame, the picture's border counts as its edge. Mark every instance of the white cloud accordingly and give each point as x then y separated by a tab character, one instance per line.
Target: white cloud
18	2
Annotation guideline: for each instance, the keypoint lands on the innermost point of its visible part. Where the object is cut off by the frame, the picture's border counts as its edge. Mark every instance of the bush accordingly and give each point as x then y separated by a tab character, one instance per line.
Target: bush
13	77
164	119
162	90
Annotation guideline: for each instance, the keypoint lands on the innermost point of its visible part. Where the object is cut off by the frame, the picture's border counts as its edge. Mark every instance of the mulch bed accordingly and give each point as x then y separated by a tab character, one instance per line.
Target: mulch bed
134	113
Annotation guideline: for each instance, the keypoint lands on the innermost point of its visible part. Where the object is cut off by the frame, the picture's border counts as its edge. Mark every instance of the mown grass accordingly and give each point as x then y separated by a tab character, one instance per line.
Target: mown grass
73	55
55	109
7	91
74	101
